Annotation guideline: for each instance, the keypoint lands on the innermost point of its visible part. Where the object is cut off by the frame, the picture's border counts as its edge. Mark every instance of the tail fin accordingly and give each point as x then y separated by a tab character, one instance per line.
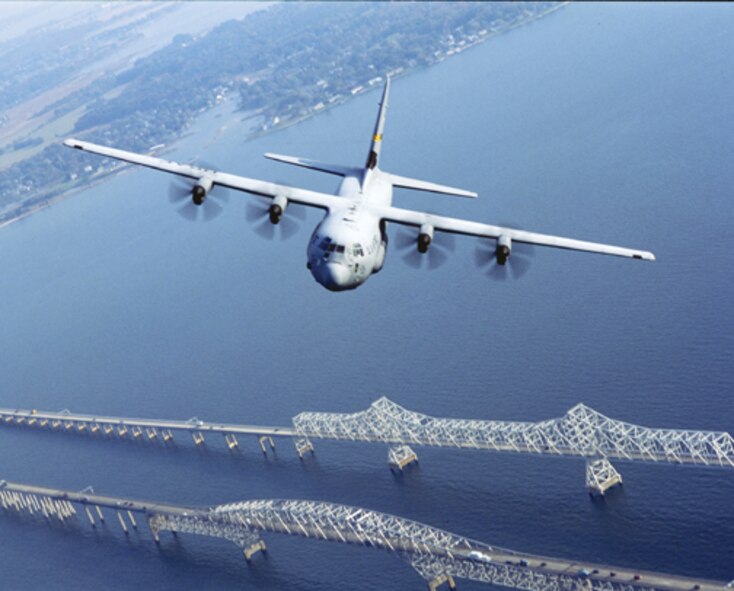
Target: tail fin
374	155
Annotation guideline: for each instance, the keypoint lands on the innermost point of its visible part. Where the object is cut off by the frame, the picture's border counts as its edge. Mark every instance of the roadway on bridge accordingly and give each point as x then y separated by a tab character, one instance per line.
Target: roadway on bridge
474	552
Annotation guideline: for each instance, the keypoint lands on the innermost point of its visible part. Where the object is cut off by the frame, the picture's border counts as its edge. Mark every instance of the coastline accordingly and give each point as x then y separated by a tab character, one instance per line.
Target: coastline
59	192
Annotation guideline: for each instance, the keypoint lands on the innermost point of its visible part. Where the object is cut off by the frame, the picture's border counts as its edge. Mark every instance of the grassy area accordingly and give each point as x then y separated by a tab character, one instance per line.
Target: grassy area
49	132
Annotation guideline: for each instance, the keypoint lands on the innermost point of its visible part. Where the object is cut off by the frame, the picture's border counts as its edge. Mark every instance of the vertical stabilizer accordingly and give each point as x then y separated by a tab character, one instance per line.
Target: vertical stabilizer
374	154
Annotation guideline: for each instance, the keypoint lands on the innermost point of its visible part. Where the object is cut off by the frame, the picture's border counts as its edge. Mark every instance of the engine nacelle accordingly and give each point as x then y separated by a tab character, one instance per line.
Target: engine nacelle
425	238
504	248
201	189
277	208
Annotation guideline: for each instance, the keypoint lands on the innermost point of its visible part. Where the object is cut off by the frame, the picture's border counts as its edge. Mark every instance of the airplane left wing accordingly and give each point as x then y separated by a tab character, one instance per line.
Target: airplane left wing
456	226
223	179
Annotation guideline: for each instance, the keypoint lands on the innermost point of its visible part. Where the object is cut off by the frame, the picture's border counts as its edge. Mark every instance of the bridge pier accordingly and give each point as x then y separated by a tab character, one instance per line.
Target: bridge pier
253	549
153	526
261	441
122	522
198	437
601	476
439	580
231	441
167	435
303	446
401	456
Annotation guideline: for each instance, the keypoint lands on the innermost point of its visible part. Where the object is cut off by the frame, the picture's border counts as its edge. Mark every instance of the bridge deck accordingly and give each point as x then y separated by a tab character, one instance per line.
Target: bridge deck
432	552
19	416
581	432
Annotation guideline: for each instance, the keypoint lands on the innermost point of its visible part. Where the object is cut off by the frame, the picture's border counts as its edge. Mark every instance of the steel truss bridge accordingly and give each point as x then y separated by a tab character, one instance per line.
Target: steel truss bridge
581	432
437	555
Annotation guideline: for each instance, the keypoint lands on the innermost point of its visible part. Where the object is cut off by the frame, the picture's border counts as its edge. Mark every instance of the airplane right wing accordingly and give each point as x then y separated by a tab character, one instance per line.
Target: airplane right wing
441	223
213	177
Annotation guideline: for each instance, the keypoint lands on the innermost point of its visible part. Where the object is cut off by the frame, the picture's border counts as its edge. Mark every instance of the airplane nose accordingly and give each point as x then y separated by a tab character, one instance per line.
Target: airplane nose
333	276
337	275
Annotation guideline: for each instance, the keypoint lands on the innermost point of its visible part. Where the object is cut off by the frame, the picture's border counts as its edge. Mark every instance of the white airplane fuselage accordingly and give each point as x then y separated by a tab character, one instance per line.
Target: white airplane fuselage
350	243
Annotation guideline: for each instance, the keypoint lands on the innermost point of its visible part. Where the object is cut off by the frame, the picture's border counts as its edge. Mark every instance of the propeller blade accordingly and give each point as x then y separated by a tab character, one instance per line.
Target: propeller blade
258	213
483	256
405	240
516	266
436	258
189	211
254	213
288	227
437	254
445	240
212	209
498	272
178	190
414	259
265	230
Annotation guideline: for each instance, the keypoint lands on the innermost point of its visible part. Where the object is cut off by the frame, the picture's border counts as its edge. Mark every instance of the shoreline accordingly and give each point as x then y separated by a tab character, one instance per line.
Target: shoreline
57	194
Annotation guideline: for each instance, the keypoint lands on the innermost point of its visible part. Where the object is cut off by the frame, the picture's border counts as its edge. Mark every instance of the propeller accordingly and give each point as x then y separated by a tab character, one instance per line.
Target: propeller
198	199
426	249
502	258
275	218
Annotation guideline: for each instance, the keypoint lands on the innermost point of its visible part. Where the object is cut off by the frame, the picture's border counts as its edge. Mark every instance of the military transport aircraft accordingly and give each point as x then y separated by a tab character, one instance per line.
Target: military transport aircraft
350	242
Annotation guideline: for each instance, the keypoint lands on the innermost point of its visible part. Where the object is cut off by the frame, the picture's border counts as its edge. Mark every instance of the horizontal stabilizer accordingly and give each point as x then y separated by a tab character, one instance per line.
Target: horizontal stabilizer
407	183
314	165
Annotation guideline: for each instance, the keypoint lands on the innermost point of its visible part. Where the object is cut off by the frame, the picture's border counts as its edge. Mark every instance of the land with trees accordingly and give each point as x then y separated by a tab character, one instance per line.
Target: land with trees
284	63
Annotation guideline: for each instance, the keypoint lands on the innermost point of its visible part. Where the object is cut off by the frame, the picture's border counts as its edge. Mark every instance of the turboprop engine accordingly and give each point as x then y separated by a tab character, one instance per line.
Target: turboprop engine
425	238
201	189
504	248
277	209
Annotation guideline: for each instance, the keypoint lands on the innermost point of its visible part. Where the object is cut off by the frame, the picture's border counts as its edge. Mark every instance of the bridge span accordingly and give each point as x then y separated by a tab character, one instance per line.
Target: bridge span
437	555
581	432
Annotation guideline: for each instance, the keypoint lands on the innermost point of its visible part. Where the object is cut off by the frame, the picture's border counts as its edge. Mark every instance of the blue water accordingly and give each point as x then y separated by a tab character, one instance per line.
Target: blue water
602	122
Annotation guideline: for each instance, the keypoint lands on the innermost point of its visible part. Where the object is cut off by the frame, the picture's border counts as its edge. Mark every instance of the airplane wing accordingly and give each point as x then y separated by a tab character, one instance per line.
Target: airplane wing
456	226
223	179
408	183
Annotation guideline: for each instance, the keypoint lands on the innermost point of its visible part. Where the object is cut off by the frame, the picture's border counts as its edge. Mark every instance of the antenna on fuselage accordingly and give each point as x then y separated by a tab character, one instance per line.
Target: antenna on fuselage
374	154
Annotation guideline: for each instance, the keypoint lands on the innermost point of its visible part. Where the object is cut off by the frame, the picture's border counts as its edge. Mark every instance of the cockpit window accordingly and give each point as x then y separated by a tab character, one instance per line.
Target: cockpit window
340	248
357	250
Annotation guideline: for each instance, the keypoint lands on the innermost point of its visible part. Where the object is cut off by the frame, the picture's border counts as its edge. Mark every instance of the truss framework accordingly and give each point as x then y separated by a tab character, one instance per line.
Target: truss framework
437	555
582	431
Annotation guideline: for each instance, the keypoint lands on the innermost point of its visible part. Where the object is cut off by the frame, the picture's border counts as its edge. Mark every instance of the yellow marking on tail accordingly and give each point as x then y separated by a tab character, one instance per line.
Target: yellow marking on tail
377	138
